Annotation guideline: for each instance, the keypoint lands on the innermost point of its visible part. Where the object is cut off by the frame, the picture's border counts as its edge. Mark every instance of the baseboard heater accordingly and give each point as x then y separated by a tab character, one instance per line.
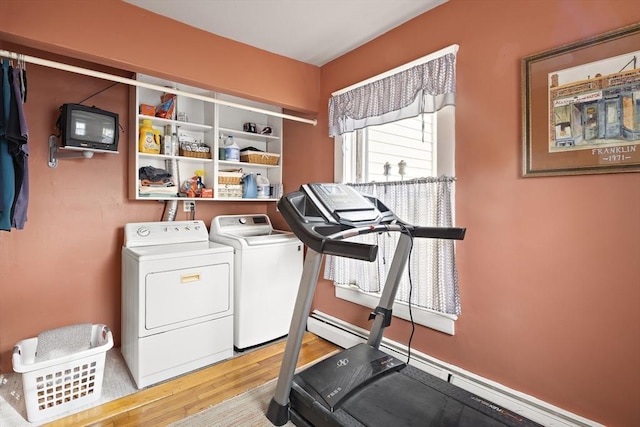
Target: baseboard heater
346	335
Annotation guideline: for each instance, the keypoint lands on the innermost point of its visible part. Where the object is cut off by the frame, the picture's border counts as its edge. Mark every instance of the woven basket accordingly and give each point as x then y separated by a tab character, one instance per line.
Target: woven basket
230	178
195	154
259	157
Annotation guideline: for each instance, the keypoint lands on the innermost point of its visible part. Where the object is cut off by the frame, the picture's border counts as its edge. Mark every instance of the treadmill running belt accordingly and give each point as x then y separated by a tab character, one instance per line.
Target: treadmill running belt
399	400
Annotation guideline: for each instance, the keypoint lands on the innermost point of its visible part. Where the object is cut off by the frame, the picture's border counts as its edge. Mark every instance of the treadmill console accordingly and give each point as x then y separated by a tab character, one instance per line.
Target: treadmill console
341	204
319	210
325	215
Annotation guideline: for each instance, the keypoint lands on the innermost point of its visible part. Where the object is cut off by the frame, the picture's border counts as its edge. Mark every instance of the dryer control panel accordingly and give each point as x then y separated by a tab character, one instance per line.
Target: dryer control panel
164	233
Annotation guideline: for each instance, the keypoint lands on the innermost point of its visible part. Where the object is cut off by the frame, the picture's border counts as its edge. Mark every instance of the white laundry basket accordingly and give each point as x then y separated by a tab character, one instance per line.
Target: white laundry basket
58	386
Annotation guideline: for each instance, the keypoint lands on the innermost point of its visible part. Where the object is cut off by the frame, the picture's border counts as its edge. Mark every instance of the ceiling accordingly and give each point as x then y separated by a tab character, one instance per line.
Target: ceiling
311	31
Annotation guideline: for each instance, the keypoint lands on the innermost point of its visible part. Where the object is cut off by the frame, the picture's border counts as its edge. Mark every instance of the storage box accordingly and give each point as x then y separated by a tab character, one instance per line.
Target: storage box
147	110
58	386
230	191
259	157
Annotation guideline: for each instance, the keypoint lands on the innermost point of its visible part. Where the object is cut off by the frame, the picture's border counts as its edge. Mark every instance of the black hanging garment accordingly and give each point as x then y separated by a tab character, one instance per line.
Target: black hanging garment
18	136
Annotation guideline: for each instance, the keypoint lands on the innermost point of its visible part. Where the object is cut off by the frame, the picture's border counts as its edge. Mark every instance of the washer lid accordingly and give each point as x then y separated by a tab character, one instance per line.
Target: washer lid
241	225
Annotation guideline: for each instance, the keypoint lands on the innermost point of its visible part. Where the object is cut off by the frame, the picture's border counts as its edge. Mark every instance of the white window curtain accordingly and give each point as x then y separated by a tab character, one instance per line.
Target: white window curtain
430	280
423	88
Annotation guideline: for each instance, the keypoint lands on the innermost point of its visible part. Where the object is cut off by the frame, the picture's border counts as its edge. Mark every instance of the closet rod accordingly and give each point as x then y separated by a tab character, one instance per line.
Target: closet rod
114	78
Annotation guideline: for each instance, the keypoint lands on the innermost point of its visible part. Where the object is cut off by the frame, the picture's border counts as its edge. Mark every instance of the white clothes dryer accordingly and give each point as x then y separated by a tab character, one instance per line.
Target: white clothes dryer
267	272
177	300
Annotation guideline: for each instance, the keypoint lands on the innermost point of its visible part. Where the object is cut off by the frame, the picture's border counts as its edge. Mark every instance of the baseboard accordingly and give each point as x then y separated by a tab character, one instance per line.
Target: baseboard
346	335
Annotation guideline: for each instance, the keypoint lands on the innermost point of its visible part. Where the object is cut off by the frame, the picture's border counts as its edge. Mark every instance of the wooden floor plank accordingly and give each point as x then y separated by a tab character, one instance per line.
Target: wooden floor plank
181	397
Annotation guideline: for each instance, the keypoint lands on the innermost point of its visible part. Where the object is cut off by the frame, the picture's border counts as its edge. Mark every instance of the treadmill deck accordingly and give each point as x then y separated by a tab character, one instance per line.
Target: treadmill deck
405	396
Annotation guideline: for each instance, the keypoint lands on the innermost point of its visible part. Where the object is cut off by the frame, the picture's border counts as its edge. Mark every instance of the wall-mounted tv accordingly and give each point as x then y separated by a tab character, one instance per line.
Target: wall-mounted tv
88	128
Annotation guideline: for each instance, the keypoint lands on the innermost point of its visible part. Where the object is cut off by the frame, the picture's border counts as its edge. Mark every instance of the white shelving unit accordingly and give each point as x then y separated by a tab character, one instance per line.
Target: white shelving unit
207	122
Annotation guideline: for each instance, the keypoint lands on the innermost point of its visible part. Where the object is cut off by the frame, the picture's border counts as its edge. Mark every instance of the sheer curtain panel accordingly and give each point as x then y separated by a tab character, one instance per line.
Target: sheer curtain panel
433	274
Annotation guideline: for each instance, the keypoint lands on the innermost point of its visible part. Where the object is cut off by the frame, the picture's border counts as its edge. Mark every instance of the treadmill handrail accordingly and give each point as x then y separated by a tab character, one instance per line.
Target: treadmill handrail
449	233
309	231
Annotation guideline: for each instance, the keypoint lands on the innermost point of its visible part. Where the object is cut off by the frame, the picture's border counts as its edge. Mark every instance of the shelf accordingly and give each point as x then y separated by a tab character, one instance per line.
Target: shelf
220	121
247	135
168	157
205	199
246	164
183	125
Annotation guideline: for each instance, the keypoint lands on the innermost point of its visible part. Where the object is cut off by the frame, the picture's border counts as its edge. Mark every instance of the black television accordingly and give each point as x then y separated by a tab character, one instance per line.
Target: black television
88	128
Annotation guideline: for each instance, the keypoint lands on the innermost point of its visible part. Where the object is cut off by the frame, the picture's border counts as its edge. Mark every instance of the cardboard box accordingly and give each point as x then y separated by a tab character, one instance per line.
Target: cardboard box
147	110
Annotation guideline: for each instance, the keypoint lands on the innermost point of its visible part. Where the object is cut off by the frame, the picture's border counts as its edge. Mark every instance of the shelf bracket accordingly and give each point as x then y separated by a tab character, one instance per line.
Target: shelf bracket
55	154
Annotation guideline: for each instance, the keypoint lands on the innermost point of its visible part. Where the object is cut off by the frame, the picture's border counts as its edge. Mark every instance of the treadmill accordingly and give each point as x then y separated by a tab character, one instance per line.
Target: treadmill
363	386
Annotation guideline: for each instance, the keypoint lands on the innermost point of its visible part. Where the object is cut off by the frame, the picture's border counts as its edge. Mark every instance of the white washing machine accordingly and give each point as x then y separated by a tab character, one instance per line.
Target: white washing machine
267	272
177	300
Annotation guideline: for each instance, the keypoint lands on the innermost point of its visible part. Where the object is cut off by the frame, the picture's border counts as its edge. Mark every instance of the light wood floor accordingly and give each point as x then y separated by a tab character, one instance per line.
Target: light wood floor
189	394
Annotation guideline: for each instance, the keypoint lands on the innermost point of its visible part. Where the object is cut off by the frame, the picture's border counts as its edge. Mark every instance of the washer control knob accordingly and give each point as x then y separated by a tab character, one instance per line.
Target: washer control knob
243	220
143	231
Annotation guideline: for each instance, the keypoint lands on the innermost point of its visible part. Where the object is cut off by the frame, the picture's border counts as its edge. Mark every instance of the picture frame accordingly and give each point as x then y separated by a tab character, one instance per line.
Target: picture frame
581	106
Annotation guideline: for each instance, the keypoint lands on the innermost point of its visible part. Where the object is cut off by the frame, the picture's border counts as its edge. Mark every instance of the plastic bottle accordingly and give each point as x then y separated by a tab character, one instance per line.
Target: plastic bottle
175	145
264	188
149	141
166	144
249	186
231	150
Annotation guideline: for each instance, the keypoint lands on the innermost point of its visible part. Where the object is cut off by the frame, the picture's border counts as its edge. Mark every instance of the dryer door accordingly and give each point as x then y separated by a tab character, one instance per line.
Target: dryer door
187	295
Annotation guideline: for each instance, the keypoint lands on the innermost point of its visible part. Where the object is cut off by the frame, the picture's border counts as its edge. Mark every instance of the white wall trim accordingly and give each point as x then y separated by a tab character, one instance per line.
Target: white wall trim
346	335
422	316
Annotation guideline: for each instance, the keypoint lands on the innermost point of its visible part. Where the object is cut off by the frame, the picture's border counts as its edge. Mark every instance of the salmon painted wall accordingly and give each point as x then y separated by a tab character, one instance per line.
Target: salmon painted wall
549	271
117	34
65	266
550	268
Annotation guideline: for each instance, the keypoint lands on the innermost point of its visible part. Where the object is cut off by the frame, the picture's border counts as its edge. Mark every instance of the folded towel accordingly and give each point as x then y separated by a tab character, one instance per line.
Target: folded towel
63	341
165	191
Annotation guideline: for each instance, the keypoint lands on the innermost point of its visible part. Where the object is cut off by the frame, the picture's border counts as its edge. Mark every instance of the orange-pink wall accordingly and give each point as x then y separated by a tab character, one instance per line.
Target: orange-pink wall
550	268
549	271
65	266
117	34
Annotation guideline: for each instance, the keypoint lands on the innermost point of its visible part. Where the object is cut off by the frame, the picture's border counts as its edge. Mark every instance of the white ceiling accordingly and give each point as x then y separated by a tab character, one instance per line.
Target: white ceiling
311	31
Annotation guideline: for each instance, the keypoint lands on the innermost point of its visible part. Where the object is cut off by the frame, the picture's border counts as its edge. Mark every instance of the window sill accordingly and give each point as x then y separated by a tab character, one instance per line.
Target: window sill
421	316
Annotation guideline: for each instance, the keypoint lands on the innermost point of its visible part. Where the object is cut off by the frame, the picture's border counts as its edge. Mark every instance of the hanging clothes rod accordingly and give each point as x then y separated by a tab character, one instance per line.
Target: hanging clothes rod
131	82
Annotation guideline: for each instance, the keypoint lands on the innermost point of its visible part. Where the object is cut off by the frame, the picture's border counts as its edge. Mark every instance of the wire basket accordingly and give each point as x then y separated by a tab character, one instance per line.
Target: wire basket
58	386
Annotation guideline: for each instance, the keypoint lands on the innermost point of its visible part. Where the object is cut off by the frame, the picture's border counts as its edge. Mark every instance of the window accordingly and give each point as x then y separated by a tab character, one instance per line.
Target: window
394	151
397	150
425	143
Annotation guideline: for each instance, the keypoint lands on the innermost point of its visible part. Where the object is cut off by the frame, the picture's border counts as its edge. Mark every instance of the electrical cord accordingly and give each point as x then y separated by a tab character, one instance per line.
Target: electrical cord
100	91
413	324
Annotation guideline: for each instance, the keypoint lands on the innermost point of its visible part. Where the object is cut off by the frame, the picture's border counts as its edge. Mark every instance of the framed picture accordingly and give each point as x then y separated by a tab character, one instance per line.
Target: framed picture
581	106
